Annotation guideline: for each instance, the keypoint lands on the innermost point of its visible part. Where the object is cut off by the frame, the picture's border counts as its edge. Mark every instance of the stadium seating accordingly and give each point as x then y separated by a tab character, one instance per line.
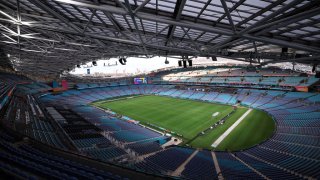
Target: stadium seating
165	161
262	78
201	166
231	168
266	100
66	121
28	162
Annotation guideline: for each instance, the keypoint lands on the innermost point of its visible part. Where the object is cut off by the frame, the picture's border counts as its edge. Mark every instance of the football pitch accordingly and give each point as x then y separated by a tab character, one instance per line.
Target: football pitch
189	118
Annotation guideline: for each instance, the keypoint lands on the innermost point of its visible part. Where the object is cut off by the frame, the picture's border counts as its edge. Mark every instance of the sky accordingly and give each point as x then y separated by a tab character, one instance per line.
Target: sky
140	65
144	65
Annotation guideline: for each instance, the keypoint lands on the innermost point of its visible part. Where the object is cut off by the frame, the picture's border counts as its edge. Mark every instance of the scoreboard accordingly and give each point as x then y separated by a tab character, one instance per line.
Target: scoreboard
140	80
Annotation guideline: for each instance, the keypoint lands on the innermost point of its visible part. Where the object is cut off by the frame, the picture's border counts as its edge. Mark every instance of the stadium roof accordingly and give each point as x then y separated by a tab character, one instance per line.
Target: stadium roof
49	36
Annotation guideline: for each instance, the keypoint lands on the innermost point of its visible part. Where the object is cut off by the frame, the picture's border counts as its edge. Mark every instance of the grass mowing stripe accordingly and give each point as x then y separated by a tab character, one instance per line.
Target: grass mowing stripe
255	128
206	140
188	118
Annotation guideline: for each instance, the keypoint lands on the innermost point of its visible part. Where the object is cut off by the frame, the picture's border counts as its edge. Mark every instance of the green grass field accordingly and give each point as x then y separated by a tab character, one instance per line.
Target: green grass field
257	127
189	118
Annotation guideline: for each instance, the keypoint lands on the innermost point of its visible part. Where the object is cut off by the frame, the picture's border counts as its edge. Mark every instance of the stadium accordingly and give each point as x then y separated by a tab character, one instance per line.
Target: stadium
160	89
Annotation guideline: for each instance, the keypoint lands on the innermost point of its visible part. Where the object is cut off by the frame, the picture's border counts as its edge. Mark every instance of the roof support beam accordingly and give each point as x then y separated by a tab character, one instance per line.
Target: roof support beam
158	33
301	60
55	14
226	10
176	15
119	27
197	26
204	8
192	41
259	13
141	6
136	26
261	21
89	21
60	17
231	9
285	21
189	25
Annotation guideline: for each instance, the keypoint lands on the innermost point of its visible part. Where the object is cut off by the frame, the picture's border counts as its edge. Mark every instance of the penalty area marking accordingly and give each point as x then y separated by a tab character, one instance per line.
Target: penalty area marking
228	131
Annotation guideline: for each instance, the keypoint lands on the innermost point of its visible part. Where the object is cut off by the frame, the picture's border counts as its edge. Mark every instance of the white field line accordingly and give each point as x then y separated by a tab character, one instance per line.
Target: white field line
228	131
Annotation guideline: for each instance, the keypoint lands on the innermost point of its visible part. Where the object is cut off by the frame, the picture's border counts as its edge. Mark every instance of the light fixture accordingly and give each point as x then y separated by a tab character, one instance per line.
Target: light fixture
166	61
122	60
184	63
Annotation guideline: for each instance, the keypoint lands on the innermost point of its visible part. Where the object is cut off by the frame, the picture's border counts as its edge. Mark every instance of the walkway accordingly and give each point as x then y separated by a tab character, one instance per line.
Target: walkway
216	166
179	170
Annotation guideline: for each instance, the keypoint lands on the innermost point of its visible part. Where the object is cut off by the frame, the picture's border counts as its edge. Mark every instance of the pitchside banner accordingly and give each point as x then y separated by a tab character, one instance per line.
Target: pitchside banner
55	84
64	84
140	80
302	88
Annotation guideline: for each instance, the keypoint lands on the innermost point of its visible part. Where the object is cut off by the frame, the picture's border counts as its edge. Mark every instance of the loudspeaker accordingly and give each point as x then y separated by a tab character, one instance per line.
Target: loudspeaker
190	62
214	58
180	63
284	50
184	64
122	61
314	68
166	61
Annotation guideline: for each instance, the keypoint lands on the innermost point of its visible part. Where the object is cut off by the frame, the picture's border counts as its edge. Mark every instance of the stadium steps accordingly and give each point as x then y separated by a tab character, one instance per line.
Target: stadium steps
268	101
278	105
218	94
179	96
175	90
261	96
231	97
288	102
277	166
192	94
179	170
238	94
310	97
202	96
250	167
290	154
294	143
121	159
245	98
297	133
141	158
216	165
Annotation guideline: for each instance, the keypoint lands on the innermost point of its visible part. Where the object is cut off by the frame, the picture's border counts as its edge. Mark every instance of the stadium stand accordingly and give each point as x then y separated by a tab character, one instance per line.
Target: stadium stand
66	121
160	89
